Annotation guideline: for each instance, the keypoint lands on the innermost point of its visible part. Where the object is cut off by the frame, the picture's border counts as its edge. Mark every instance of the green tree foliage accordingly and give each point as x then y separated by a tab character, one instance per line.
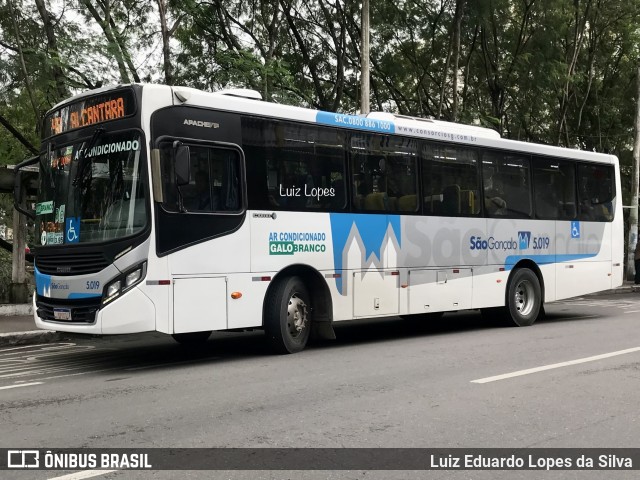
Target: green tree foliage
560	72
553	71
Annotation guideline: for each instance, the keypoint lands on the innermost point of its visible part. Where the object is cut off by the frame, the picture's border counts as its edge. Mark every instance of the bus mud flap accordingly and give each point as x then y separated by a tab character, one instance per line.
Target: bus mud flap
322	329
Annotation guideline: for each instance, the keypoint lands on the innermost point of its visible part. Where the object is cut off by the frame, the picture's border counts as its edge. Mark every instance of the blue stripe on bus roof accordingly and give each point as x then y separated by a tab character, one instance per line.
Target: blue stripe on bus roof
353	121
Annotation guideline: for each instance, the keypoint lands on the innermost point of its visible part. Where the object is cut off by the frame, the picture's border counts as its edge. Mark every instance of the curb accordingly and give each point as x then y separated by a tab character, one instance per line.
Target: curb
16	309
29	338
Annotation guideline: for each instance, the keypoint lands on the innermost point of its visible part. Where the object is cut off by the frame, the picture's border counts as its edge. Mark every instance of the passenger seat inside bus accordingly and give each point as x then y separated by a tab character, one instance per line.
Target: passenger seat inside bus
407	203
376	201
451	200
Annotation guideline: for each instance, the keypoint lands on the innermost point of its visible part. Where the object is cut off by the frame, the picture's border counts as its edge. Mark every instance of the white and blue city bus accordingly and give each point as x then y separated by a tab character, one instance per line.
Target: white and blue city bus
180	211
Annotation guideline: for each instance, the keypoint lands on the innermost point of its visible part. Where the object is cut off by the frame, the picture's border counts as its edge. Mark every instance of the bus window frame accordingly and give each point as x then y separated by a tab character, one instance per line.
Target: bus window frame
207	144
346	205
613	200
574	164
525	155
479	183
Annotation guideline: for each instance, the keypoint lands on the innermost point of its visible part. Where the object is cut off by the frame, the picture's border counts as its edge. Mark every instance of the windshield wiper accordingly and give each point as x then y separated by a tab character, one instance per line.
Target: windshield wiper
81	160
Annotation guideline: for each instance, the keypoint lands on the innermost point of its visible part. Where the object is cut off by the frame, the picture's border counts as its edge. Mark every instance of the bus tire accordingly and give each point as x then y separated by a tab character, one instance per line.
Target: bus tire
192	338
287	316
524	298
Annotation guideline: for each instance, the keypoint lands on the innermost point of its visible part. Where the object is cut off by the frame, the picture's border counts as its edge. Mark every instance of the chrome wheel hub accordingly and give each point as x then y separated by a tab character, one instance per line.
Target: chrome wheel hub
297	315
524	297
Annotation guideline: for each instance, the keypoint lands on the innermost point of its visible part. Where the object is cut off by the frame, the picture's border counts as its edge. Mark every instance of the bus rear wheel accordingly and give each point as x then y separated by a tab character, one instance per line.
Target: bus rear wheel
524	298
287	316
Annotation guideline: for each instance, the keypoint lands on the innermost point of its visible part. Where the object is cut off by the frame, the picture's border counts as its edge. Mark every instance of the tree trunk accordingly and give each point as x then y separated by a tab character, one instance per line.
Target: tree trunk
162	8
18	292
364	63
106	29
456	57
635	179
23	66
58	75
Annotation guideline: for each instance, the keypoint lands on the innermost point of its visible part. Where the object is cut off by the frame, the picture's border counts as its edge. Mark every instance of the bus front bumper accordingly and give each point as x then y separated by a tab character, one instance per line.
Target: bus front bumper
132	312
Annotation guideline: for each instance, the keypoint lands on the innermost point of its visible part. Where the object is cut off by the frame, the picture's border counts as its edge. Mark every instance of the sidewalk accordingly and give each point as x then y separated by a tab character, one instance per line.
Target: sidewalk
17	326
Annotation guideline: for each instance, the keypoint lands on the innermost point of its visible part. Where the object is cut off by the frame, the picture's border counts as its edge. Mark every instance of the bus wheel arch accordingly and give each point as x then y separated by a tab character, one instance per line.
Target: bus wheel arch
524	294
297	294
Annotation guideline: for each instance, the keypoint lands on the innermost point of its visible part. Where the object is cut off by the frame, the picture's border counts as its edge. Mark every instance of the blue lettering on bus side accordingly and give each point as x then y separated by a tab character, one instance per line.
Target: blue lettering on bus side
353	121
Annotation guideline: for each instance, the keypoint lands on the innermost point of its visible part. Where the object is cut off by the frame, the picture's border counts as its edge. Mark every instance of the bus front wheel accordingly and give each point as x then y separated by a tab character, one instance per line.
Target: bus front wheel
287	316
524	298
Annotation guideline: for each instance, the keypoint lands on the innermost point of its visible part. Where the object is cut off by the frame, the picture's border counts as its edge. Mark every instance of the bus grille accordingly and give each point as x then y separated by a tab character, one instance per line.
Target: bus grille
71	264
82	310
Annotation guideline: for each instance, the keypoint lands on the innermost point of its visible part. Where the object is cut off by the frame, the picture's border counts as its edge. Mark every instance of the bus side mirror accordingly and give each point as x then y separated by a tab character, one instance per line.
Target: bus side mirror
182	164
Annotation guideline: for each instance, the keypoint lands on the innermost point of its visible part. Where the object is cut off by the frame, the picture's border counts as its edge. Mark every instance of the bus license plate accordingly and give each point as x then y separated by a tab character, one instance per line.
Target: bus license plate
62	314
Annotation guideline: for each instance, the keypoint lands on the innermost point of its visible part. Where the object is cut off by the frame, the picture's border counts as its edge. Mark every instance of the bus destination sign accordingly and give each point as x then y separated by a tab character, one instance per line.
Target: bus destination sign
89	111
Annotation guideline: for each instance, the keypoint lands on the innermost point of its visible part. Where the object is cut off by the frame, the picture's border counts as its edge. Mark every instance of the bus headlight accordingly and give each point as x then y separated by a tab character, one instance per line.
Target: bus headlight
133	277
113	289
124	282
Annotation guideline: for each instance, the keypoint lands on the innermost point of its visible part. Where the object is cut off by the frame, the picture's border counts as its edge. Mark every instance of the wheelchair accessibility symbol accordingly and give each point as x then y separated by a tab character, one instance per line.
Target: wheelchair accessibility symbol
575	229
72	230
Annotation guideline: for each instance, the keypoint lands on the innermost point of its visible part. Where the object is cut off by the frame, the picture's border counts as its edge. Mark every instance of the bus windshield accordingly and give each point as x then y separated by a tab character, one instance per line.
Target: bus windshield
92	190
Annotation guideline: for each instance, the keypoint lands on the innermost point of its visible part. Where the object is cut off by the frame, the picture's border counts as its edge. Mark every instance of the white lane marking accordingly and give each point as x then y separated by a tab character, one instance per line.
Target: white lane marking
28	347
632	311
21	385
555	365
83	474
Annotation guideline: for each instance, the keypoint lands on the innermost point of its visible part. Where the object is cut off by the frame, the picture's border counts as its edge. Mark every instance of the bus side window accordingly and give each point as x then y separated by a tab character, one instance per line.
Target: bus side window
214	184
450	180
554	187
293	166
507	189
384	173
595	192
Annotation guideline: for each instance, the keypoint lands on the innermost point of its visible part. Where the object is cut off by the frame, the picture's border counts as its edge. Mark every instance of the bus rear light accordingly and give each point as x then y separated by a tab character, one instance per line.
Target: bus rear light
261	279
164	282
333	275
236	295
499	280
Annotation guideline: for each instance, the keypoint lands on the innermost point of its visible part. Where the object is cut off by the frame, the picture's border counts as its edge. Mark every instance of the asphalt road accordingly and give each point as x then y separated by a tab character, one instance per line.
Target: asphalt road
382	383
